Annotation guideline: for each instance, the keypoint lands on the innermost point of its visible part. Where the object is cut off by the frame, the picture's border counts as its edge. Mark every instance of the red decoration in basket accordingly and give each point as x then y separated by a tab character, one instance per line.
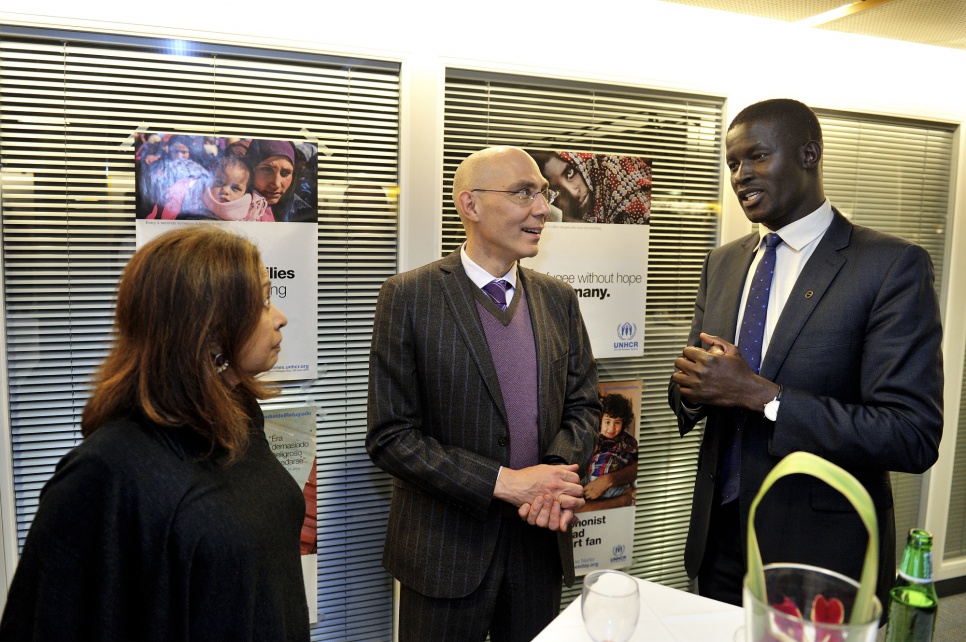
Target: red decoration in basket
788	607
827	612
823	612
793	629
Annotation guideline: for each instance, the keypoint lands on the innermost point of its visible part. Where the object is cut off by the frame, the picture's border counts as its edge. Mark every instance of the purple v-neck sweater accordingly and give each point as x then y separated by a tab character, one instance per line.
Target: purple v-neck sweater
510	337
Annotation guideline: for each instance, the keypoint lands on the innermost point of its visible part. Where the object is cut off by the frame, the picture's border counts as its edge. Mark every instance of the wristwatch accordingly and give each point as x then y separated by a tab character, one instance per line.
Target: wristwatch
771	408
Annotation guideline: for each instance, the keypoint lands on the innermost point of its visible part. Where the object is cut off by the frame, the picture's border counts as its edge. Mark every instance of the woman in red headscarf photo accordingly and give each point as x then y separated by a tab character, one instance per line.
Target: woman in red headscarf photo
598	188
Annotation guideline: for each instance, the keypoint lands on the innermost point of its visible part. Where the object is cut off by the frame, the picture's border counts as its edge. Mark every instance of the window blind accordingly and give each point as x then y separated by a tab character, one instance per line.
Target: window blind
69	103
681	134
893	175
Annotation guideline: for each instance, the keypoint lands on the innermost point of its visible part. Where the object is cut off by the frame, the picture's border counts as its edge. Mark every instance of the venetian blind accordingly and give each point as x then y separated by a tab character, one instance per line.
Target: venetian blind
681	134
893	175
69	103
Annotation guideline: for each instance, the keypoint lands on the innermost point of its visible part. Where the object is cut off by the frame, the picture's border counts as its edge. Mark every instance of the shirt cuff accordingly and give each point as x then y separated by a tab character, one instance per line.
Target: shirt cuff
691	409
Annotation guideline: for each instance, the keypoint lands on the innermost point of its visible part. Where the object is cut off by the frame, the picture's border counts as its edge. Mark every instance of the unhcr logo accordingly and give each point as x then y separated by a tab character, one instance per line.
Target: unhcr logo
619	555
625	333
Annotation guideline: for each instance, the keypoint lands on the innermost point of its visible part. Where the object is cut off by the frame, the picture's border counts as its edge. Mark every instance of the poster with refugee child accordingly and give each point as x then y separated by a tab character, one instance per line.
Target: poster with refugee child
604	533
242	183
596	239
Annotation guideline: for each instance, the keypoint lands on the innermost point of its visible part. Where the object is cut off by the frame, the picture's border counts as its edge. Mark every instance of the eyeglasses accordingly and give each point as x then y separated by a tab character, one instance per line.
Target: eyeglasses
525	197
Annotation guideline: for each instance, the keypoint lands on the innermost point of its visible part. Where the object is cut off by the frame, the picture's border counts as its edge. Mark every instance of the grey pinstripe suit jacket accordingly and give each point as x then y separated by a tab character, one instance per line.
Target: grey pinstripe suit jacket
436	420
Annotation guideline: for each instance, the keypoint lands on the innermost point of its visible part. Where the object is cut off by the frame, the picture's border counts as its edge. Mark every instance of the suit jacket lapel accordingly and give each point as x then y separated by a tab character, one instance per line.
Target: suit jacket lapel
460	298
538	304
811	286
730	289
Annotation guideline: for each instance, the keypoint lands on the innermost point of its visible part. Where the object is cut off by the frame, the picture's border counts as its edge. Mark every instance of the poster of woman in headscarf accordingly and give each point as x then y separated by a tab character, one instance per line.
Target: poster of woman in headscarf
241	183
597	188
596	240
182	177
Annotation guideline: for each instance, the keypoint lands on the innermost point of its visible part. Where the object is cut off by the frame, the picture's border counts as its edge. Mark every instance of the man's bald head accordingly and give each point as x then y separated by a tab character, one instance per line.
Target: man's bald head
478	168
501	228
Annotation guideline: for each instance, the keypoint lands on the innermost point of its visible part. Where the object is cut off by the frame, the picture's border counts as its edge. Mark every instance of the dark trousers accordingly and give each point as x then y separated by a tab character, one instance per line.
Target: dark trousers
518	597
722	572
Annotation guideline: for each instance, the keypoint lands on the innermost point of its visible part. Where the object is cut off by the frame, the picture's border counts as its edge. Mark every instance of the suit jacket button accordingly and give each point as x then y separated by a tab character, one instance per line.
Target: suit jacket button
502	441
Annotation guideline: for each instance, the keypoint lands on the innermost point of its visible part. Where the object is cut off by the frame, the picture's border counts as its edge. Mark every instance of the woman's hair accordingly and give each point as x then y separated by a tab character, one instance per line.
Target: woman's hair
184	297
618	407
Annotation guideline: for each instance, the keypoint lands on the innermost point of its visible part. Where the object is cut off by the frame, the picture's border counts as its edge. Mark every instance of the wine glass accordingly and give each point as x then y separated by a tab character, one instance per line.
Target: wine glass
610	606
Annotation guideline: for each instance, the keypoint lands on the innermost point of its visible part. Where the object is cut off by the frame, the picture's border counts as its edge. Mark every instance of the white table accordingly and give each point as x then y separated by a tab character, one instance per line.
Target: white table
667	615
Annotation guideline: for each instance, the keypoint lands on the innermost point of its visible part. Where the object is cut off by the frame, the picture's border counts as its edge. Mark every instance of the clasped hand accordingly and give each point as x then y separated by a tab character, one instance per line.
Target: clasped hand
546	496
718	376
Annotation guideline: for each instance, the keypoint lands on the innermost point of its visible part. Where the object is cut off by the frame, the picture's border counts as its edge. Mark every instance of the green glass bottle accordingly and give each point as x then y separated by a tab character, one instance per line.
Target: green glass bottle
912	612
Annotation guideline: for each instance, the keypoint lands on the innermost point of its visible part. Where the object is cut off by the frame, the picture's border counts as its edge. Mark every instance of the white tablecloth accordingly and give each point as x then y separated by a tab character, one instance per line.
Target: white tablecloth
667	615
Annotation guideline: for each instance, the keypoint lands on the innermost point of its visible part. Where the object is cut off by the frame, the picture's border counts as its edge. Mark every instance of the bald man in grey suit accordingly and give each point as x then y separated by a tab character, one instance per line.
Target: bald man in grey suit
482	409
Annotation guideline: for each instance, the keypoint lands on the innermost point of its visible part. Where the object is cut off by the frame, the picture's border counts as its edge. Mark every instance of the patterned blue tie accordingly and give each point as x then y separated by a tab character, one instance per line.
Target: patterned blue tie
756	308
496	290
750	338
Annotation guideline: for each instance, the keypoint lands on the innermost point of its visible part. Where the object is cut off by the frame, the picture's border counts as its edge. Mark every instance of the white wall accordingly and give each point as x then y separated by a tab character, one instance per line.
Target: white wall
650	43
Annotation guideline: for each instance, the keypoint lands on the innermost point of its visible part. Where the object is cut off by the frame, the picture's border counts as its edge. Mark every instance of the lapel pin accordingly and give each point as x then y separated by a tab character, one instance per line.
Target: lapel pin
808	295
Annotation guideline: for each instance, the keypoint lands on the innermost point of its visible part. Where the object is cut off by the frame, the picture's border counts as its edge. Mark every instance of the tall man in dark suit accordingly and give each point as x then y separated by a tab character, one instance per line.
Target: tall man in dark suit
482	405
849	355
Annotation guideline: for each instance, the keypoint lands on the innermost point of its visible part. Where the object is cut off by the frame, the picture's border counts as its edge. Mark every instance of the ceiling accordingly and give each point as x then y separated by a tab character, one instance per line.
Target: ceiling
941	23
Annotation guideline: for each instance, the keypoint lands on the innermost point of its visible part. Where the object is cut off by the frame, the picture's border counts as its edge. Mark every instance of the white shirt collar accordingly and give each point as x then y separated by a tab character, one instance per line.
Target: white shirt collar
481	277
805	230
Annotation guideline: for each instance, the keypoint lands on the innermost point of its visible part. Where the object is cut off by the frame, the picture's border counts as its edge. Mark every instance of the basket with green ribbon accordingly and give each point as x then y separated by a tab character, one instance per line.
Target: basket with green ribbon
801	603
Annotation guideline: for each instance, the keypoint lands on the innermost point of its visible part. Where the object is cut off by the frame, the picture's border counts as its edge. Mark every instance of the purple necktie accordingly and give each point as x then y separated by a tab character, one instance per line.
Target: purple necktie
496	290
749	343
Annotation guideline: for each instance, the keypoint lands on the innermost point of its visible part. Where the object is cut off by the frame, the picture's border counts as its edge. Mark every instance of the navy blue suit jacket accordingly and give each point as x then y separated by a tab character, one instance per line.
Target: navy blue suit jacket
857	350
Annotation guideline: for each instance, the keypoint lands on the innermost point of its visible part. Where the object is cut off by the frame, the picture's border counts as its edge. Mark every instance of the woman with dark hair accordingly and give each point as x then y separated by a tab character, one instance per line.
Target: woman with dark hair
277	166
173	519
598	188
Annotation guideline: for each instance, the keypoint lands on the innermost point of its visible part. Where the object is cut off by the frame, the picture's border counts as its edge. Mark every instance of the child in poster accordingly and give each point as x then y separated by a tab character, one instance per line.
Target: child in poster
603	534
238	183
609	478
226	195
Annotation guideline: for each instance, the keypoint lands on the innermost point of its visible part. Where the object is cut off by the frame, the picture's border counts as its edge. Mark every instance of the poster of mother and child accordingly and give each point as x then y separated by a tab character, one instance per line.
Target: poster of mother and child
243	183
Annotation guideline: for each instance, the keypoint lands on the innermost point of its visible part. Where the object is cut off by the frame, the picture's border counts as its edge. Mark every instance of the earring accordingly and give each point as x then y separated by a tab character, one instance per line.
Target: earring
221	363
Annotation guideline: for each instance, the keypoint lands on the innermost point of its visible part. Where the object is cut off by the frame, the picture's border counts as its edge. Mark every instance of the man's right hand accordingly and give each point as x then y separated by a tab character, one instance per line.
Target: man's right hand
545	512
720	376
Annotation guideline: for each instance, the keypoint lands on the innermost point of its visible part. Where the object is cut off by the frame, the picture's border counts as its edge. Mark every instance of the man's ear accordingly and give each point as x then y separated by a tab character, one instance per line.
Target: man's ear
468	205
811	154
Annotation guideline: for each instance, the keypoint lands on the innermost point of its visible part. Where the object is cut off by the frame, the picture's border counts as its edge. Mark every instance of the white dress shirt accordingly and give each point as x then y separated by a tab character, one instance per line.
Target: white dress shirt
799	240
481	277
